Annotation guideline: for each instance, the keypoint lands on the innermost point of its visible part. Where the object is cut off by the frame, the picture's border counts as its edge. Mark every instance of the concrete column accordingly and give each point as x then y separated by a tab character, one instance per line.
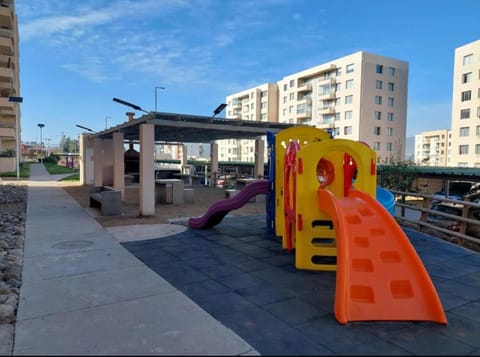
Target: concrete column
184	160
98	162
147	170
213	162
107	145
119	163
259	158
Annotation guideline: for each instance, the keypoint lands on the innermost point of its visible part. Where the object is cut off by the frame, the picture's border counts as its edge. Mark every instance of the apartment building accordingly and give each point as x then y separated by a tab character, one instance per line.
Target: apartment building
465	120
432	148
256	104
10	129
361	97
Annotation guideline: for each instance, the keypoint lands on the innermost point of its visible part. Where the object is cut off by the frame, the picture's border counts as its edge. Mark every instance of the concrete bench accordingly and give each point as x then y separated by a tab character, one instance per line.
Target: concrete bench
107	199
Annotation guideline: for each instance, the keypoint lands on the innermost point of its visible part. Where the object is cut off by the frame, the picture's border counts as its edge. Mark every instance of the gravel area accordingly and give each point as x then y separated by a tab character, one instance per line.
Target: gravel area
13	205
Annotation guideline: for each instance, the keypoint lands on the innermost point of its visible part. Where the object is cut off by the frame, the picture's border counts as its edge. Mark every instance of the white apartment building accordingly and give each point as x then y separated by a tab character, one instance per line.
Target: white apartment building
255	104
432	148
361	97
10	129
466	106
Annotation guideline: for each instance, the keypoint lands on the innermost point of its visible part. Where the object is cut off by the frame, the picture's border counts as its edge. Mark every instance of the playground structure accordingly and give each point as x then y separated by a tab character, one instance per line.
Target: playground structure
322	203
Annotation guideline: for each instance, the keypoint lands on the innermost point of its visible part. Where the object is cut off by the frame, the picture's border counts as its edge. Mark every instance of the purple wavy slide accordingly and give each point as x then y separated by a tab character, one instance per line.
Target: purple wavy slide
219	209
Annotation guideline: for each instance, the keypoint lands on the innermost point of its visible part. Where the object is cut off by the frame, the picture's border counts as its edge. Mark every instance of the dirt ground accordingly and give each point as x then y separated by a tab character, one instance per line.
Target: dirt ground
204	197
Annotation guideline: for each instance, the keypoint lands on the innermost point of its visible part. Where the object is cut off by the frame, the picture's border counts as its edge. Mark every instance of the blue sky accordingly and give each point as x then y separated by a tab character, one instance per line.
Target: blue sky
75	56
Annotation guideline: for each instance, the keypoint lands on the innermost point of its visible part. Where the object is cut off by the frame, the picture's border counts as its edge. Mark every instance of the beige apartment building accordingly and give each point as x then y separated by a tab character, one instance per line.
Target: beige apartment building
432	148
10	129
466	107
361	97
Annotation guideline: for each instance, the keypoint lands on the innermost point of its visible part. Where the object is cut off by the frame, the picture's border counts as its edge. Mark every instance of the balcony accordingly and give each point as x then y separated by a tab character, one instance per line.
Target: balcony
305	100
5	104
6	74
6	132
6	15
304	87
327	110
306	114
6	46
328	95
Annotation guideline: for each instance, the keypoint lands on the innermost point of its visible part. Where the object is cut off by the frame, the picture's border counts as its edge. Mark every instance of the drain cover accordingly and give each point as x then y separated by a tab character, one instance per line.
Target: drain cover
73	244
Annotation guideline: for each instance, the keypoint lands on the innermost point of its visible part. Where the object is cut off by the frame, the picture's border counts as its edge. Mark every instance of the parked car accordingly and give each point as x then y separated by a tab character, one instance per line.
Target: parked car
451	223
458	190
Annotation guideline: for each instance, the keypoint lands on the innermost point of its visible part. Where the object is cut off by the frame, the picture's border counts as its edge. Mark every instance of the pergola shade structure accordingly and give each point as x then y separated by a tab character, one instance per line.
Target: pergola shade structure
172	127
102	160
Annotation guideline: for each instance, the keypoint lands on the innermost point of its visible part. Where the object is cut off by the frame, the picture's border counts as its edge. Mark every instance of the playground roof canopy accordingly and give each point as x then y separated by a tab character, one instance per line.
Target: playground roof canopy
173	127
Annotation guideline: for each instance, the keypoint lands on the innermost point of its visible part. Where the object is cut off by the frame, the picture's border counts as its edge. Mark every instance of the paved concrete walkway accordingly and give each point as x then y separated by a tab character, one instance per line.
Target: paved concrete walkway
83	293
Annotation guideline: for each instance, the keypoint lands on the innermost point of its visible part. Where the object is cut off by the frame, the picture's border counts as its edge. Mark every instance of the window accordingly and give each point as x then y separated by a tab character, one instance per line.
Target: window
391	86
292	83
290	109
349	99
465	114
378	84
347	130
285	99
389	131
389	147
391	71
467	77
390	101
477	149
463	149
477	130
464	131
378	115
349	84
263	105
324	89
348	115
379	68
292	96
378	99
478	112
350	68
336	131
466	96
376	145
377	130
263	93
263	116
467	59
284	87
284	112
390	116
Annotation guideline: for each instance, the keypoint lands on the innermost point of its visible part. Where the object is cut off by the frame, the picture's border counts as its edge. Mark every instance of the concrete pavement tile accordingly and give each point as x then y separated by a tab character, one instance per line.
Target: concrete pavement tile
45	297
168	324
75	263
59	243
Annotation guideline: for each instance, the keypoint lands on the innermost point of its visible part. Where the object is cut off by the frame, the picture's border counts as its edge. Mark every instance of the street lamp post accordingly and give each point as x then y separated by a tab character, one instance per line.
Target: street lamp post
156	96
106	121
41	141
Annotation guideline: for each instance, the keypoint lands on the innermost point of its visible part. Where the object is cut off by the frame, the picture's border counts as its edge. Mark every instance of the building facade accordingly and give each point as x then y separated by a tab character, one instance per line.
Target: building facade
432	148
361	97
465	122
10	128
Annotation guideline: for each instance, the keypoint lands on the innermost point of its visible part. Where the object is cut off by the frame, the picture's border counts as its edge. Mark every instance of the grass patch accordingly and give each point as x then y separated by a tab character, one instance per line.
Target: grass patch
54	169
72	177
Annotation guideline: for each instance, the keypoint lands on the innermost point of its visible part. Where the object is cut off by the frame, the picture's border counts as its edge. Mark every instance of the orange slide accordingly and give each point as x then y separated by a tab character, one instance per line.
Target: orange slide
379	274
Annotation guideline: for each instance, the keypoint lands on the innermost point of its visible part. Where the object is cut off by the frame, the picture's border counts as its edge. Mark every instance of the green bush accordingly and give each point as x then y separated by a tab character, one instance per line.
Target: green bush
54	159
8	153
